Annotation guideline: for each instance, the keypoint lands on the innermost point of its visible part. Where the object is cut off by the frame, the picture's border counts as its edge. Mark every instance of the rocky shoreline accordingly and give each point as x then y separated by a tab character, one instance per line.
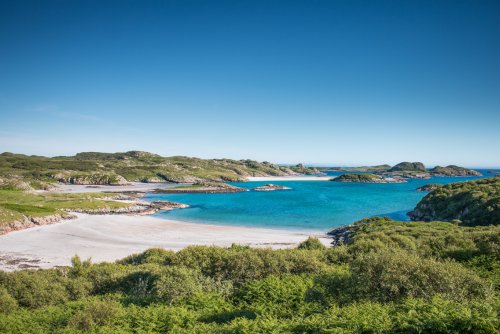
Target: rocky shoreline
136	207
29	222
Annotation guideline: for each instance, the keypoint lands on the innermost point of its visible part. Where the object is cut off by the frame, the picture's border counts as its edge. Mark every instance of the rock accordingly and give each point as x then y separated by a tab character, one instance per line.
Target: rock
367	178
137	208
341	235
271	187
28	222
202	188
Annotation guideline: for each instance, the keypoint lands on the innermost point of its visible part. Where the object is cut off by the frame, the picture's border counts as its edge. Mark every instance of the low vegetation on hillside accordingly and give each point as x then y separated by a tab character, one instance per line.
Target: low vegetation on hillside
118	168
391	277
472	203
16	205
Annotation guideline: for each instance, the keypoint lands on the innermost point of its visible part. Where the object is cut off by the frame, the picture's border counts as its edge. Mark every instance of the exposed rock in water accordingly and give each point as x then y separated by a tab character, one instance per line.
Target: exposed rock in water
202	188
271	187
367	178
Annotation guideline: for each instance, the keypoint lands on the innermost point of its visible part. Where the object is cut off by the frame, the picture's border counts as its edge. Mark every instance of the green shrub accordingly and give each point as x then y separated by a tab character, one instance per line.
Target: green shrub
311	243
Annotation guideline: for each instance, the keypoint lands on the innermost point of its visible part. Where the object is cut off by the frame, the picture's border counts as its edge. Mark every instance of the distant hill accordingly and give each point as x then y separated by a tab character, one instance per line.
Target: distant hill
119	168
408	167
473	203
453	170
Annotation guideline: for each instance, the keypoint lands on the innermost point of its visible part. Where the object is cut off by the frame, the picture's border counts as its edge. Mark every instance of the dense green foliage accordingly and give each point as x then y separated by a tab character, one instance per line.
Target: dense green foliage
473	203
112	168
392	277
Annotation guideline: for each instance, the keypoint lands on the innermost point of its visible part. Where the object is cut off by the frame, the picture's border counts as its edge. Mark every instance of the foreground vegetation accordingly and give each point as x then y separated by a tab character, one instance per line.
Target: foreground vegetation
470	203
391	277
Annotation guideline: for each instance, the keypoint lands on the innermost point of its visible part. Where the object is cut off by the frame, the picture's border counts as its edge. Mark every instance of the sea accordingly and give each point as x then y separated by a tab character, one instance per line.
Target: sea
316	206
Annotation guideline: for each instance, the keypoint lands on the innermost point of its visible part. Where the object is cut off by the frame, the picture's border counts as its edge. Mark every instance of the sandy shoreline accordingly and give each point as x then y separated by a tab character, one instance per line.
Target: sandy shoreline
289	178
112	237
132	186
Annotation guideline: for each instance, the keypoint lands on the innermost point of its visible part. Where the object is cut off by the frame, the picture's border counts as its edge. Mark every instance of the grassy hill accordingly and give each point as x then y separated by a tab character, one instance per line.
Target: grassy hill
118	168
473	203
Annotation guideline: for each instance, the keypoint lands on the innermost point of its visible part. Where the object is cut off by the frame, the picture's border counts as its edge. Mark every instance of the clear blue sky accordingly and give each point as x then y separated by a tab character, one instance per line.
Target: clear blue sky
339	82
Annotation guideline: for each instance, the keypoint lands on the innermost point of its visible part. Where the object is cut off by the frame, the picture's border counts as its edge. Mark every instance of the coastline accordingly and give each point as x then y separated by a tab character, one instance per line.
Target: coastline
105	238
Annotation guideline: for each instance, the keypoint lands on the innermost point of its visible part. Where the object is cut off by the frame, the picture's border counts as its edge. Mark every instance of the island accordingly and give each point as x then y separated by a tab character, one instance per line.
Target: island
367	178
410	170
271	187
202	188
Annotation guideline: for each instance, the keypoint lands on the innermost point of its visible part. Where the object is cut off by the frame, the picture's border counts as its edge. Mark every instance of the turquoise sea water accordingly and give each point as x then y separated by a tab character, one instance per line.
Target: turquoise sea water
311	205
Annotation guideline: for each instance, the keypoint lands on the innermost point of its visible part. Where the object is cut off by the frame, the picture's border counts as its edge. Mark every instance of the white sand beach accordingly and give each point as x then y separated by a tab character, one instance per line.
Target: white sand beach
289	178
112	237
132	186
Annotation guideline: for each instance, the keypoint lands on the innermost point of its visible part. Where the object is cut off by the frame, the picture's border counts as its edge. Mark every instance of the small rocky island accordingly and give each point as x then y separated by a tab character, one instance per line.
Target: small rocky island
202	188
367	178
271	187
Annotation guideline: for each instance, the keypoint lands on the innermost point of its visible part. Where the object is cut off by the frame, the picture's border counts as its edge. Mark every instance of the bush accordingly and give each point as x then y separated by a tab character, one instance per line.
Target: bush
393	276
311	243
7	302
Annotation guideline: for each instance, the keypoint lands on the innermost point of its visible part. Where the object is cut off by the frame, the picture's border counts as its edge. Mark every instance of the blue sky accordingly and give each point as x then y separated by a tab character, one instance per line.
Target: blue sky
338	82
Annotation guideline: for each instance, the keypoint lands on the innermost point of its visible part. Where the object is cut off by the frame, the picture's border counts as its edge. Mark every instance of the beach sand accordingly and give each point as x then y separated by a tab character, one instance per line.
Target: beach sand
132	186
112	237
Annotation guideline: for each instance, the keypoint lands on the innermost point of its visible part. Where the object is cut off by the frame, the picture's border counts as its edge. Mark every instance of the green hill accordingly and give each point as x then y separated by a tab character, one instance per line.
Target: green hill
473	203
118	168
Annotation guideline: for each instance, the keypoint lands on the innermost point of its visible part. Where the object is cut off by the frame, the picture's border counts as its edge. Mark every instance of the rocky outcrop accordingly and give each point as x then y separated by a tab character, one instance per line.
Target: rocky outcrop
138	208
28	222
341	235
202	188
367	178
91	179
271	187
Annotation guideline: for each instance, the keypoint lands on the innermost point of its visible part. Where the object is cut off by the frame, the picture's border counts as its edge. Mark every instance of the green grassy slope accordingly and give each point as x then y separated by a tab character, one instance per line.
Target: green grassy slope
473	203
115	168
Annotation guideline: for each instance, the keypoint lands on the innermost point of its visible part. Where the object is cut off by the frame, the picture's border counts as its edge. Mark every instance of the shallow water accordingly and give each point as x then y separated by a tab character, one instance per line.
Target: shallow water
310	205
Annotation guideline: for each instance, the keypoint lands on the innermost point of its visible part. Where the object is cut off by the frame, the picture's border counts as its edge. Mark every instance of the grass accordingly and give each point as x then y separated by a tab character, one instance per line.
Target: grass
15	204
